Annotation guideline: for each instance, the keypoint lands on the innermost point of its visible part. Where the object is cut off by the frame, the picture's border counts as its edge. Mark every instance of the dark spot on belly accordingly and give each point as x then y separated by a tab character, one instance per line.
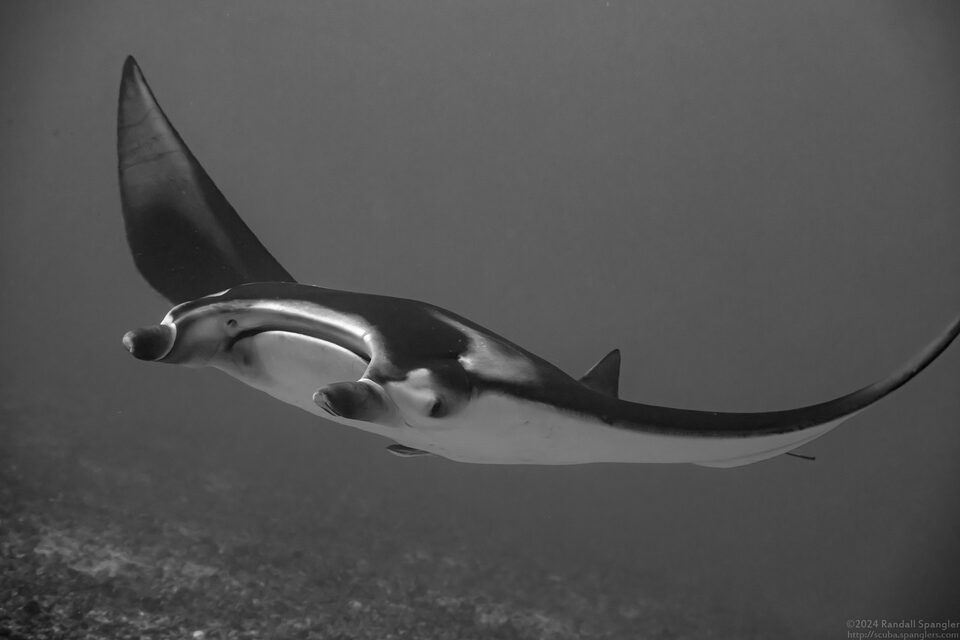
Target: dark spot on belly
242	358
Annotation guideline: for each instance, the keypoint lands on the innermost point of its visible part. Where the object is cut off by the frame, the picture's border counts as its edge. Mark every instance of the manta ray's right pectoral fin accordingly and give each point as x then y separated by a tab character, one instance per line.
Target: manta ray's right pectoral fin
605	375
362	400
186	239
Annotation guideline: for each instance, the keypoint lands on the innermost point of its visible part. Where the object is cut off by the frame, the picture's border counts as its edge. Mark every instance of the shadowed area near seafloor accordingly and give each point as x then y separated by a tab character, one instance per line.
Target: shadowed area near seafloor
119	537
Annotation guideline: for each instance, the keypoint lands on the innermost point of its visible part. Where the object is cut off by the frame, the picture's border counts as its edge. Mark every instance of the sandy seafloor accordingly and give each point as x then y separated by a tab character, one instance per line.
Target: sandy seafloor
121	537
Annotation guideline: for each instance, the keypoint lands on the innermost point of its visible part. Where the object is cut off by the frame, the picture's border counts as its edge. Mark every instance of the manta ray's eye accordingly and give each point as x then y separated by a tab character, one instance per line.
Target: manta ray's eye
438	409
231	323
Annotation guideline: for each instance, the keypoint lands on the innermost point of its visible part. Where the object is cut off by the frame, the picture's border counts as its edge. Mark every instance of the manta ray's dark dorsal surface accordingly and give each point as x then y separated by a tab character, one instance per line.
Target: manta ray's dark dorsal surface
428	379
186	239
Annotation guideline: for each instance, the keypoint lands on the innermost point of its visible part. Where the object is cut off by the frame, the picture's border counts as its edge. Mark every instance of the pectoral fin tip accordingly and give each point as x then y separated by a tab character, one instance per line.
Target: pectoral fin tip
406	452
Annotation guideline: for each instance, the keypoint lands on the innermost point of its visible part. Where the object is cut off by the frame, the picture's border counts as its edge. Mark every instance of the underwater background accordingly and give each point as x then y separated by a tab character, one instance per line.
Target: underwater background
757	202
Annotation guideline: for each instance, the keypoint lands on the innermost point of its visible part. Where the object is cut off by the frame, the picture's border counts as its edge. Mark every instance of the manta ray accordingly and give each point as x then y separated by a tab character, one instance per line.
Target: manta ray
427	379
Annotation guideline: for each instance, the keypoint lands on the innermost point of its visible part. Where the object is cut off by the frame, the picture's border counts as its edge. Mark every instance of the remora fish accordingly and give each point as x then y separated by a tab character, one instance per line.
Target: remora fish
431	381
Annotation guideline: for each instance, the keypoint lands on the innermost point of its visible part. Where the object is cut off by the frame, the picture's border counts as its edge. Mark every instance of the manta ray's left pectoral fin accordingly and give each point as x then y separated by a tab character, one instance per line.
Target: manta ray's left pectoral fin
362	400
406	452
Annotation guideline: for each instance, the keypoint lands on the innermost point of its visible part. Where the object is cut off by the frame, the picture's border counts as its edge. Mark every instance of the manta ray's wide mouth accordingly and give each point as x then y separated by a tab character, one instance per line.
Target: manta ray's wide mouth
150	343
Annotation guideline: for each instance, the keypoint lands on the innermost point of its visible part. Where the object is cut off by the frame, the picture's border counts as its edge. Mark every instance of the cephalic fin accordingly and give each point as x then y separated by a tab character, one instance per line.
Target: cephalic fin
186	239
360	400
605	375
406	452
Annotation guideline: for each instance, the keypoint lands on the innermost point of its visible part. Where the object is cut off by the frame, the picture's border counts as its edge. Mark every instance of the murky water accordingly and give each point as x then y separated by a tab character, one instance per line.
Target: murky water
756	204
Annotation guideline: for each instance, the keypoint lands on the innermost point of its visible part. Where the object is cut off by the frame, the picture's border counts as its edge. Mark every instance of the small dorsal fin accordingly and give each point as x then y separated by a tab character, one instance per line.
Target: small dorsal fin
406	452
605	375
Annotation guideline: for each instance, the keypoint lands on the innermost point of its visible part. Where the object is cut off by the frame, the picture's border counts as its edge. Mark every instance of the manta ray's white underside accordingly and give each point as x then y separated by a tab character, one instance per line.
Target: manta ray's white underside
494	428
